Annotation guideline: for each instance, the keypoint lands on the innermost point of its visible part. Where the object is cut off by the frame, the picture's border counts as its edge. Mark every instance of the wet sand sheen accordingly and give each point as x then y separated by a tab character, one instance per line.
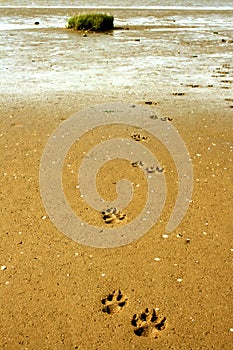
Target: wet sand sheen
173	49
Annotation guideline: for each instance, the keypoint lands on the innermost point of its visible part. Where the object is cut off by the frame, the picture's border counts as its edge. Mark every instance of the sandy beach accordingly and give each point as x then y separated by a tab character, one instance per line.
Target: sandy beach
59	294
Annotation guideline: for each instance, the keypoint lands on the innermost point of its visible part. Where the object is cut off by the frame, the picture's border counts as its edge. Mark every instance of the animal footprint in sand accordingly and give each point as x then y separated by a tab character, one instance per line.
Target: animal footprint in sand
166	119
137	163
138	137
149	169
153	169
148	324
112	215
114	302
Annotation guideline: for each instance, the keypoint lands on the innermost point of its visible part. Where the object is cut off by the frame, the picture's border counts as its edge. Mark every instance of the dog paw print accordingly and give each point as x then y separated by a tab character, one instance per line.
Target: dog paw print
138	137
148	324
149	169
112	215
114	302
138	163
166	119
154	169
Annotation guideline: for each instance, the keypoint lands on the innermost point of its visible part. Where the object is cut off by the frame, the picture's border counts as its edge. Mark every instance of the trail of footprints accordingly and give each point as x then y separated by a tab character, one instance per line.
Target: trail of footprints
113	215
139	163
148	323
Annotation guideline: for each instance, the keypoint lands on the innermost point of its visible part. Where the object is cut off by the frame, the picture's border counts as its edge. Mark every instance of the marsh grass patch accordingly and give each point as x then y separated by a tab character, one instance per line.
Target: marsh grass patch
95	22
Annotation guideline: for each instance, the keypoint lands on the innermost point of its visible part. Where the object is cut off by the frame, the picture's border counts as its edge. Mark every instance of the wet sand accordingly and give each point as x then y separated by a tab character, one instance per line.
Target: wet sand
53	289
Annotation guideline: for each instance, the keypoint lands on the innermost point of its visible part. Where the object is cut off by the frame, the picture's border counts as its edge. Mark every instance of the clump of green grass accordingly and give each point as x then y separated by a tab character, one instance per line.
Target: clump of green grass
96	22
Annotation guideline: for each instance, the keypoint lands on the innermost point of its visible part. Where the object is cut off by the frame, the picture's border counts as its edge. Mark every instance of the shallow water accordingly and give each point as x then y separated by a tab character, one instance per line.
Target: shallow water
160	49
120	3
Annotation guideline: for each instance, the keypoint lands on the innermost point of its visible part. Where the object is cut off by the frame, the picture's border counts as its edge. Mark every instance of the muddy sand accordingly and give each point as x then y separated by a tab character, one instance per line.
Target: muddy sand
154	293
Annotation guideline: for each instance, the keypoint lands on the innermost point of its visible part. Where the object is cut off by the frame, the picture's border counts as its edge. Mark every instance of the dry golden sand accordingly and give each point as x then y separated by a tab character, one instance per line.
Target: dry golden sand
52	288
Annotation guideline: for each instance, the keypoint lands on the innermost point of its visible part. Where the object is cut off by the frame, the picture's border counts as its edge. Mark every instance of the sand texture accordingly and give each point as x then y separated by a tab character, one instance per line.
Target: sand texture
154	293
